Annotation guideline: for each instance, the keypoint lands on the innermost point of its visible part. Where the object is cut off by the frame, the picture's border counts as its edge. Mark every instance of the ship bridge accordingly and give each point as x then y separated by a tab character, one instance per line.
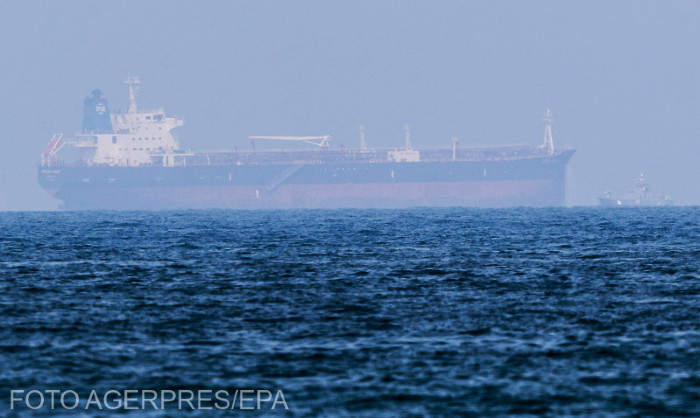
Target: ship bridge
135	138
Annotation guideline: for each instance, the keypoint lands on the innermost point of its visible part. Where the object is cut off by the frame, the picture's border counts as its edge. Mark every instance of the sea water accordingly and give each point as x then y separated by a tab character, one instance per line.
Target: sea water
420	312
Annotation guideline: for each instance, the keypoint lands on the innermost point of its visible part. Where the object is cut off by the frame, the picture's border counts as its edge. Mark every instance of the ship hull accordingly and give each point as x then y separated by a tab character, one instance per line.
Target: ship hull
498	183
610	202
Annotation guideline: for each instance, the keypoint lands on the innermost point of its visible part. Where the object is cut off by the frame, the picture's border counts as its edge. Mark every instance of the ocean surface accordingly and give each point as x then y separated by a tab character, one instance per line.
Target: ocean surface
421	312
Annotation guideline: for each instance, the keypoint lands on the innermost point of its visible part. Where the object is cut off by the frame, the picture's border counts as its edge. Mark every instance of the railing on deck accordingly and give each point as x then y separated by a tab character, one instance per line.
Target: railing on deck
344	156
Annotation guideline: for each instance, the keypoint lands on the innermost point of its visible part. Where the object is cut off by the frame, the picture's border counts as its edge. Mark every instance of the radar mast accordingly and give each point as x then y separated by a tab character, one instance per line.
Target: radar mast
548	141
133	83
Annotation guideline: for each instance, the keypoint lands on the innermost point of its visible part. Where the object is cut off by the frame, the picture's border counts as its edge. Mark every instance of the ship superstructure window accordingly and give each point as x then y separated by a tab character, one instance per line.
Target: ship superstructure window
148	118
114	139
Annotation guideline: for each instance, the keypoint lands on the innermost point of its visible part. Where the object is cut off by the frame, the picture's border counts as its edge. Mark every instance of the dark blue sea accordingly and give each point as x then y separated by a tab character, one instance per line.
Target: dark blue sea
421	312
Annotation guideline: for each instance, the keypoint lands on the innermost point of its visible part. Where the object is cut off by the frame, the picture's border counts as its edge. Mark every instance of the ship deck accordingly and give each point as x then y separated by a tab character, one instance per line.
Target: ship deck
327	156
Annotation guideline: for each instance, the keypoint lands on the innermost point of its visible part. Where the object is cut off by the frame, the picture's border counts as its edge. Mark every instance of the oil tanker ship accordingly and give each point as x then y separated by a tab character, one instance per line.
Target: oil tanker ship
131	160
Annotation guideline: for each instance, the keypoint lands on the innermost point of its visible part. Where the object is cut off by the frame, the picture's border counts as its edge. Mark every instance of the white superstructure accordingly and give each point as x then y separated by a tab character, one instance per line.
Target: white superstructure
138	138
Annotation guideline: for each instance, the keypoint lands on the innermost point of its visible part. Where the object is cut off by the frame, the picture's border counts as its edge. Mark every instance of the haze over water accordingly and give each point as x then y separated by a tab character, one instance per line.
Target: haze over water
361	312
430	312
620	77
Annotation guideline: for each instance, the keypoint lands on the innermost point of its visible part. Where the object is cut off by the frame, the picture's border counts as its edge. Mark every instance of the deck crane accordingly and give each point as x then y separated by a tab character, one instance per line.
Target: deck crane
319	141
48	157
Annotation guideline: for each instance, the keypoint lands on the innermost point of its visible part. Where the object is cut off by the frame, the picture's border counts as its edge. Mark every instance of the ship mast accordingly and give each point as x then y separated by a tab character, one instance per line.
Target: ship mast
363	143
133	83
548	141
409	146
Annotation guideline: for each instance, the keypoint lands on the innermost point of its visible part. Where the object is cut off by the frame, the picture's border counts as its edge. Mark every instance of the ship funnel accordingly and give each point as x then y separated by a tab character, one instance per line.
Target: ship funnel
96	114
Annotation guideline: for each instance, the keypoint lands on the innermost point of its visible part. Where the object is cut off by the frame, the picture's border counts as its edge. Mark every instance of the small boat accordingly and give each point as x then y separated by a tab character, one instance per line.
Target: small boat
639	196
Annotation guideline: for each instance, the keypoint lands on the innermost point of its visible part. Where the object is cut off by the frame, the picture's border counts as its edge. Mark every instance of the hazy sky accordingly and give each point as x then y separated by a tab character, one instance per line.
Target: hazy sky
621	77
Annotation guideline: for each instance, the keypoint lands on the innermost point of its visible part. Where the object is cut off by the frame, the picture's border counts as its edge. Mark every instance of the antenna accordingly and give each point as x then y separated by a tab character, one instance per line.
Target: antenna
454	148
548	141
409	147
363	143
133	83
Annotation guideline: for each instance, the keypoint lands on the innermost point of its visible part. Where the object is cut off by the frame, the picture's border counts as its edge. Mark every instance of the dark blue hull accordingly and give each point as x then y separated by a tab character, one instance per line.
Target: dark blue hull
537	180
